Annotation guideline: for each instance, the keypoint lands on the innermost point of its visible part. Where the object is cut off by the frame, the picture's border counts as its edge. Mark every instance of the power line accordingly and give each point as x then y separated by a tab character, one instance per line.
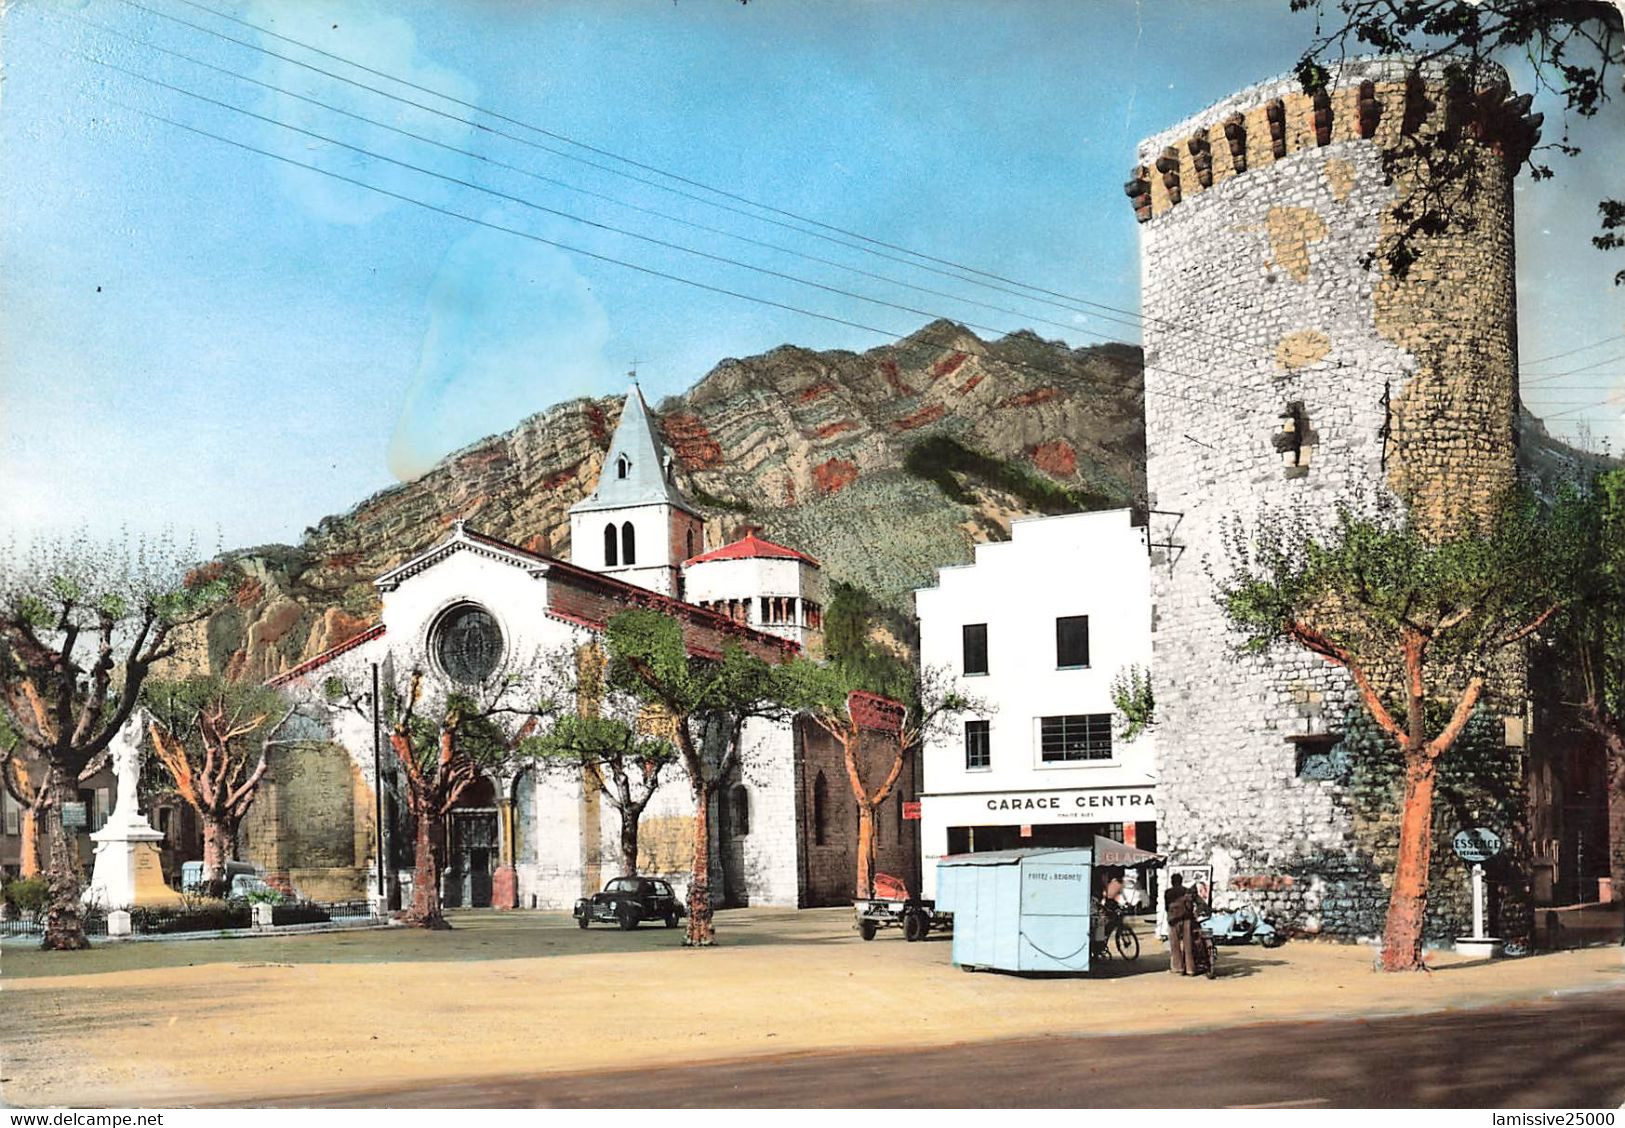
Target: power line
562	214
1025	315
1543	377
895	340
1582	348
977	281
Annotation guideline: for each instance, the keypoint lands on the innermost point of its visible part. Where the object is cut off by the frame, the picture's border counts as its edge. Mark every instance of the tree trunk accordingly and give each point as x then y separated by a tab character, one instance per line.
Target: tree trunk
35	842
701	934
64	925
629	841
1616	813
219	841
1407	906
425	911
866	848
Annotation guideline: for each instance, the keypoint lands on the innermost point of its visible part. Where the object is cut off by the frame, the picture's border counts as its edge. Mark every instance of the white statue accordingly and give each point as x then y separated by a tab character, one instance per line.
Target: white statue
128	871
125	751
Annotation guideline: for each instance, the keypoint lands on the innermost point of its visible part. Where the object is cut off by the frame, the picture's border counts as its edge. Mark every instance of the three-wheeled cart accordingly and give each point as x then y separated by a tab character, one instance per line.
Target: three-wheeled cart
892	907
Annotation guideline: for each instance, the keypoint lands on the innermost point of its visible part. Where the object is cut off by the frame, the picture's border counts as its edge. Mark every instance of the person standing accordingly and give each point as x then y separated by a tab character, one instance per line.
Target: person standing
1181	914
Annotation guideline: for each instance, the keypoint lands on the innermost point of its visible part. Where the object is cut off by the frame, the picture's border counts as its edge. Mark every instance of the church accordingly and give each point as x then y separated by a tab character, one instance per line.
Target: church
784	828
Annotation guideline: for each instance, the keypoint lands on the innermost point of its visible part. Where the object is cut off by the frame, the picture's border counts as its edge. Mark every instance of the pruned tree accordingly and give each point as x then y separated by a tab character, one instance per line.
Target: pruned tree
1415	621
1575	50
1591	642
210	738
82	625
21	773
445	736
836	699
607	739
707	703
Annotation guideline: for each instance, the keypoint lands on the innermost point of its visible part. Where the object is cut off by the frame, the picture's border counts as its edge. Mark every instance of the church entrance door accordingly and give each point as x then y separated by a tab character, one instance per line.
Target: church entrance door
472	858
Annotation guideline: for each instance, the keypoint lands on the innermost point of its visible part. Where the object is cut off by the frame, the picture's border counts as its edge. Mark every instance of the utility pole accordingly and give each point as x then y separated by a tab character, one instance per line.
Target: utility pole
378	785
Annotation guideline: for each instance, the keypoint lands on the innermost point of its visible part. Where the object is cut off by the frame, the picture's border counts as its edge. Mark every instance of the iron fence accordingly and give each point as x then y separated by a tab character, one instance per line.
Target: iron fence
215	917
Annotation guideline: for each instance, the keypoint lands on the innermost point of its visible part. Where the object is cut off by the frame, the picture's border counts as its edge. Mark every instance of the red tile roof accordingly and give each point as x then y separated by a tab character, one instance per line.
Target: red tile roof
751	547
326	656
635	596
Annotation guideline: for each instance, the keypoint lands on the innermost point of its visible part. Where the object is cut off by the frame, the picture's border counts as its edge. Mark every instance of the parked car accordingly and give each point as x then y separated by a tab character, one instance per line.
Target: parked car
192	877
628	902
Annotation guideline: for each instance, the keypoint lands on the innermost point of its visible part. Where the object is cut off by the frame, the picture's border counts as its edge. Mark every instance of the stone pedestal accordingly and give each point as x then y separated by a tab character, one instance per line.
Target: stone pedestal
128	871
118	924
262	916
505	888
1480	947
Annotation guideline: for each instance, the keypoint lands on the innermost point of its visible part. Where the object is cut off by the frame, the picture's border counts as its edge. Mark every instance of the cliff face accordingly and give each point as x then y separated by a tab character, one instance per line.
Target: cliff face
884	464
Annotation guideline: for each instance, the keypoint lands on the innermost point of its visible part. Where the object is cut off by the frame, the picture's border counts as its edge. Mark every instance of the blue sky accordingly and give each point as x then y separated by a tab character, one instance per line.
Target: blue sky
197	337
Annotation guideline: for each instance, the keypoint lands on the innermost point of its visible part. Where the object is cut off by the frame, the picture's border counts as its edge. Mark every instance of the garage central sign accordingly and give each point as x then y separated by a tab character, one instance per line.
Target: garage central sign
1089	802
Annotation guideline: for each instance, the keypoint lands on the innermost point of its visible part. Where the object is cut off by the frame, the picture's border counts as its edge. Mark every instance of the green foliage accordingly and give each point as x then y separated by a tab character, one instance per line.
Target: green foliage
712	501
1374	575
1567	49
1133	699
946	461
648	659
27	894
849	621
263	897
590	741
176	704
1590	645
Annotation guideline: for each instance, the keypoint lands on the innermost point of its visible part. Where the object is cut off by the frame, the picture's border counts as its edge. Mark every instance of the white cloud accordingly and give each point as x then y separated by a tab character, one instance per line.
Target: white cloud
513	329
368	36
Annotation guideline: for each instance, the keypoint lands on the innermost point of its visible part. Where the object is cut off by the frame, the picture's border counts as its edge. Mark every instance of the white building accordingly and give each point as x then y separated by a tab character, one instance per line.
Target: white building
472	602
1037	628
762	584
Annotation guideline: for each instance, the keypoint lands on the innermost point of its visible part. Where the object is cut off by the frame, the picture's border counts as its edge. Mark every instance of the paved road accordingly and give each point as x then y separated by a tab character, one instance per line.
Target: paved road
1558	1054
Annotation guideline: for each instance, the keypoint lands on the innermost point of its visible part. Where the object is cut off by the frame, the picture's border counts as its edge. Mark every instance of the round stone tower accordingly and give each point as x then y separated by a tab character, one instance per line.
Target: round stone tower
1321	317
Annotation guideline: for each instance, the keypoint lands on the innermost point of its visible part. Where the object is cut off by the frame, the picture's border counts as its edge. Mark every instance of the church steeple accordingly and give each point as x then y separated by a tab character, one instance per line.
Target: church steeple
637	470
636	524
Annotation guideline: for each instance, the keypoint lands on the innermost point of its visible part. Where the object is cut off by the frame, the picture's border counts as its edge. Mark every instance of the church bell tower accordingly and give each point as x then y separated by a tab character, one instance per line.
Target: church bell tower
636	526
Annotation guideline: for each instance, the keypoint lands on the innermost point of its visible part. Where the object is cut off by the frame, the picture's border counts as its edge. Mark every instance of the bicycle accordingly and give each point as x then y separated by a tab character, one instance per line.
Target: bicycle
1119	934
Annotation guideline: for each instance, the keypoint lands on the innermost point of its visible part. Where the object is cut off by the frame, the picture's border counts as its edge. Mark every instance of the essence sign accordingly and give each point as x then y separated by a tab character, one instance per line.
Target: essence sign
1477	845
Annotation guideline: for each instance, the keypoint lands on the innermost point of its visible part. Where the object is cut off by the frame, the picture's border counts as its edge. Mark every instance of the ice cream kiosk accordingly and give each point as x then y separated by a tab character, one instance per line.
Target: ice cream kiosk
1019	910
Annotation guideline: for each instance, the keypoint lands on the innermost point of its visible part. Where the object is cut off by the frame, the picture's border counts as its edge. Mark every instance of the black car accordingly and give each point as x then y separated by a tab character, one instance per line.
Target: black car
629	901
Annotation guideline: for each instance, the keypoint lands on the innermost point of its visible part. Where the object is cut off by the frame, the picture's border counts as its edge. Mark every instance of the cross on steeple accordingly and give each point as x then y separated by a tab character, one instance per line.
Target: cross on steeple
633	375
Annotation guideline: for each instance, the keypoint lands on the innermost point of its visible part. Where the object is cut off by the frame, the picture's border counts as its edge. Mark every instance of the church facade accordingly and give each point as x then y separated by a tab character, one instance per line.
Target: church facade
540	838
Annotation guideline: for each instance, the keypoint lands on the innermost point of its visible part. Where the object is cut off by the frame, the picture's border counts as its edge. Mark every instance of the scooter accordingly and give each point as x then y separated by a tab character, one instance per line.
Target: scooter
1242	926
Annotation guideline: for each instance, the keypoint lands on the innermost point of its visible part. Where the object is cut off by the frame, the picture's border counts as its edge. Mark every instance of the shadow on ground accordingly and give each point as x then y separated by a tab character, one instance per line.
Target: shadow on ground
476	935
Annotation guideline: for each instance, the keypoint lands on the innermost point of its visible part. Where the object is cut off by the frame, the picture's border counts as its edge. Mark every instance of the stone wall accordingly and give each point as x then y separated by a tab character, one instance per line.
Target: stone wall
832	866
1287	365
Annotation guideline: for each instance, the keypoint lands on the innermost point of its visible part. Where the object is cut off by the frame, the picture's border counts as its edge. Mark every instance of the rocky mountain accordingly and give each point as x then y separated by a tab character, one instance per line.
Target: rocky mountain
885	464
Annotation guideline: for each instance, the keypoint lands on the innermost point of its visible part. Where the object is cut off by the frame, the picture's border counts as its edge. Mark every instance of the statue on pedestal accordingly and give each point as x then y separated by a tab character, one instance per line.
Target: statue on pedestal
128	871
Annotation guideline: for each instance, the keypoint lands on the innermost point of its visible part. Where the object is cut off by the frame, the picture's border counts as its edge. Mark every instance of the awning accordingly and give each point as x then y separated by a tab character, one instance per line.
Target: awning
1110	852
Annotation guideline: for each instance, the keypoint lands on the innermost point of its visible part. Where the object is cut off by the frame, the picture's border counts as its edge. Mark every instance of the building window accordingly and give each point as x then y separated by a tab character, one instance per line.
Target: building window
467	643
1078	736
820	810
978	749
975	635
629	544
611	549
622	465
1071	642
741	811
14	816
898	807
690	553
